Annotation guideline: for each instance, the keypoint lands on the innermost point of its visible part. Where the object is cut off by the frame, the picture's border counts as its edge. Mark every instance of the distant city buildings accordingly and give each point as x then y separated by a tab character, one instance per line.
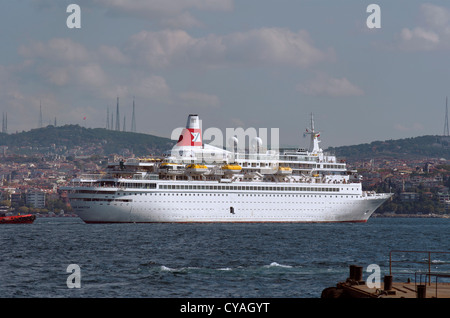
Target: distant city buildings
33	181
35	198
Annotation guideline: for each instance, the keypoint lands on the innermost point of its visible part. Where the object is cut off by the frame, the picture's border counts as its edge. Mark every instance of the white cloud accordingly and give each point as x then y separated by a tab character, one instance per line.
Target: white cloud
436	17
260	47
112	54
419	39
159	49
56	49
274	46
324	85
91	75
433	33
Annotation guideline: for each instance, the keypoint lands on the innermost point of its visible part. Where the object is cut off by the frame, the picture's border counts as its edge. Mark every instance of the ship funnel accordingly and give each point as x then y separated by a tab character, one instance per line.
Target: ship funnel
193	122
192	134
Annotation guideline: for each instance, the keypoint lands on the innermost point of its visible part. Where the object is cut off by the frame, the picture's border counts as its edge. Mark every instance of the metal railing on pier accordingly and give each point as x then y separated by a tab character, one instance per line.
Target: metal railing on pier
432	264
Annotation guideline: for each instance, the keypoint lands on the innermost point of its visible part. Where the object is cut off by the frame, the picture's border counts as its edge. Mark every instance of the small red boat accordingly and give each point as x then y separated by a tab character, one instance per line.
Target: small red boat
18	219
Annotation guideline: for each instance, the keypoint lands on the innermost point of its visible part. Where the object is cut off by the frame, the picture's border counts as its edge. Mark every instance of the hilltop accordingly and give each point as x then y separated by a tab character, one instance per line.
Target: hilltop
409	148
77	140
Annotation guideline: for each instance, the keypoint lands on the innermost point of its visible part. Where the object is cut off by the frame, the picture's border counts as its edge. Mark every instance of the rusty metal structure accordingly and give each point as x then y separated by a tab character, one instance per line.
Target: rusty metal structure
431	278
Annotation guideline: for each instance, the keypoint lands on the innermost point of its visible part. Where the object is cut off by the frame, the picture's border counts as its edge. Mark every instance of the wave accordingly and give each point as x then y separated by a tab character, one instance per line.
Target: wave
182	269
275	264
164	268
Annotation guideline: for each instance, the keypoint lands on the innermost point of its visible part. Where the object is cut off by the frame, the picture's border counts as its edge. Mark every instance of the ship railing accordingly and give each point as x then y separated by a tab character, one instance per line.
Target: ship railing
432	264
96	178
91	176
151	176
374	194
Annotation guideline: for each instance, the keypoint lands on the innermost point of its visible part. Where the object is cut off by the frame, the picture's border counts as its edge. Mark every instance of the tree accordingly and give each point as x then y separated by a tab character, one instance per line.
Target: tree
23	210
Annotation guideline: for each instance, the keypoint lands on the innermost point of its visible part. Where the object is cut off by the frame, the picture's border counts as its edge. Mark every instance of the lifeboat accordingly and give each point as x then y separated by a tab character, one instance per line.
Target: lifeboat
18	219
147	160
284	170
168	164
231	168
196	168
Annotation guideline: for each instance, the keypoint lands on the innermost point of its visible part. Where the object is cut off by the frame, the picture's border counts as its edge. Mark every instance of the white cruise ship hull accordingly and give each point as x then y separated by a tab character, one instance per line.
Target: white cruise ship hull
157	207
203	183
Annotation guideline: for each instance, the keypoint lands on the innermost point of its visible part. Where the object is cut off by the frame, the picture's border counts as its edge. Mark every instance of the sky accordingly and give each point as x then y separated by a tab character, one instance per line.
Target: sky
236	63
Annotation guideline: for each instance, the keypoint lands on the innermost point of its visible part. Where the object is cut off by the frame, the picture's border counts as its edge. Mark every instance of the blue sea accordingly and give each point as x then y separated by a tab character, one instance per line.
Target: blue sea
202	260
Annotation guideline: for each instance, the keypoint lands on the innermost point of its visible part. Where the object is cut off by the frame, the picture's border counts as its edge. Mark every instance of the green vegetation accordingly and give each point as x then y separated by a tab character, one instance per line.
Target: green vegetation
102	141
426	203
409	148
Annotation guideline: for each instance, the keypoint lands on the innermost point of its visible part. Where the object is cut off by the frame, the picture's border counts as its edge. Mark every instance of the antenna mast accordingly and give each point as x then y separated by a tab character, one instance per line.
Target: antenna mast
133	120
117	116
446	133
40	114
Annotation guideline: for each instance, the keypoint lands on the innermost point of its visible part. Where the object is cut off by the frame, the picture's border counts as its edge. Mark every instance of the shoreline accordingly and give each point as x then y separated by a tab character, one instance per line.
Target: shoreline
393	215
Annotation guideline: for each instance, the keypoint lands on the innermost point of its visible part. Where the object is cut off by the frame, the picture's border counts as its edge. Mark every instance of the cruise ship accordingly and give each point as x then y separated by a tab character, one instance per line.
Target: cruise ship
197	182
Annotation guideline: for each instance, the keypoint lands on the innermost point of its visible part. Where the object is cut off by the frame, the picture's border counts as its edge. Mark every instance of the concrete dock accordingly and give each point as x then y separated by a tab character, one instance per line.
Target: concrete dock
397	290
425	284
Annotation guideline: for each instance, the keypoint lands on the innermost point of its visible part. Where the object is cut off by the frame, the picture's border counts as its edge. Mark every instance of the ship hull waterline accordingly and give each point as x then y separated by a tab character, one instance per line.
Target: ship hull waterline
357	210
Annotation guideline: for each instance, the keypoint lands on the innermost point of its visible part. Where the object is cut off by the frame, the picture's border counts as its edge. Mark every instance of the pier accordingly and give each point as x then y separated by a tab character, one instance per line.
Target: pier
422	283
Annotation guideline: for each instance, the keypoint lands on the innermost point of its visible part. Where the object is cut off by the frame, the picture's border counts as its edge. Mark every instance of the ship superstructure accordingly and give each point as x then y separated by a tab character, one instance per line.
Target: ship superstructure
197	182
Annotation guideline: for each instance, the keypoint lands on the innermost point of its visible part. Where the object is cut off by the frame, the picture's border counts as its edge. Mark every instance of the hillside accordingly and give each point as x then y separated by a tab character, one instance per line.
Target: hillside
77	140
409	148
